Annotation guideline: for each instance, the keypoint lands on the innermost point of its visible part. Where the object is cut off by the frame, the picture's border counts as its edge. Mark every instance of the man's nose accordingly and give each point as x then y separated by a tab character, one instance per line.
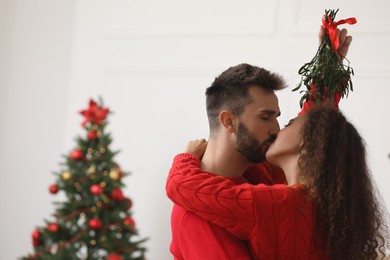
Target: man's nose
275	128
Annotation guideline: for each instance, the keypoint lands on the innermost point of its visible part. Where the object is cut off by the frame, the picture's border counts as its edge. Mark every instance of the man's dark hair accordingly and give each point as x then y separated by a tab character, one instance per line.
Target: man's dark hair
230	90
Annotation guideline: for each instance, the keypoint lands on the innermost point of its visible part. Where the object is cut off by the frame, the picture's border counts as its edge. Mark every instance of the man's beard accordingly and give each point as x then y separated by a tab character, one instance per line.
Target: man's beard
251	148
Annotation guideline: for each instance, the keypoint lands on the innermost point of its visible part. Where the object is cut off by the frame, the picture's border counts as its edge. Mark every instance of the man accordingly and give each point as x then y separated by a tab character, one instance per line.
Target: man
242	109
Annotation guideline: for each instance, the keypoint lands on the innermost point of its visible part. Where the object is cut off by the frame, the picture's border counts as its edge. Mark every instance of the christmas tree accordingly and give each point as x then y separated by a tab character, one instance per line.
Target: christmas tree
95	222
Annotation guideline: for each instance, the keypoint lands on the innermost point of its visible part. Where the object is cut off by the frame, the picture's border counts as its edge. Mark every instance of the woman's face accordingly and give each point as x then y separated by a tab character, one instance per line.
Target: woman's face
287	143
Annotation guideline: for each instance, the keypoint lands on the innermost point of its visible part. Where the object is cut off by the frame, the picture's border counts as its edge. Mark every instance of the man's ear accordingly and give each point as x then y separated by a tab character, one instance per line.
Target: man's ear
227	120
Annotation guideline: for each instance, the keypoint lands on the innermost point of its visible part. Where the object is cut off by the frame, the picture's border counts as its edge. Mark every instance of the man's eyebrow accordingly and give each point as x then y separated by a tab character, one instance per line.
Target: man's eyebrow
270	112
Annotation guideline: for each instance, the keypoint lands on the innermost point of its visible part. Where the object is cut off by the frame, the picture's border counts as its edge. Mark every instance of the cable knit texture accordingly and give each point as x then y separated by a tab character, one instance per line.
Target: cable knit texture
194	238
277	220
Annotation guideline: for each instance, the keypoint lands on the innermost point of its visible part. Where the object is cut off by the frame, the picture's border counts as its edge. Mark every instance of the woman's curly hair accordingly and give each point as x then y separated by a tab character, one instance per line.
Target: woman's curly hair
333	164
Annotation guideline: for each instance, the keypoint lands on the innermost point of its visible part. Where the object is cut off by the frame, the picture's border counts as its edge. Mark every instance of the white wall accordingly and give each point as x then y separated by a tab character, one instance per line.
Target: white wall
151	62
35	55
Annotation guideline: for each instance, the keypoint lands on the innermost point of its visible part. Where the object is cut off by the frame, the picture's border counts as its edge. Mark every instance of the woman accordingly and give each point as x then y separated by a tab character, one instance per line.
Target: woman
328	210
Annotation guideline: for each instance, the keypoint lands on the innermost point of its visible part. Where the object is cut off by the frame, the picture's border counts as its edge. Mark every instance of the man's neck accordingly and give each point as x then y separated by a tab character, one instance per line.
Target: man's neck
224	161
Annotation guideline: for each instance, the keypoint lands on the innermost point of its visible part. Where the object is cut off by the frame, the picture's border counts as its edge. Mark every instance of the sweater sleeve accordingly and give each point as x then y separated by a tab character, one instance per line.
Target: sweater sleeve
212	197
265	173
197	239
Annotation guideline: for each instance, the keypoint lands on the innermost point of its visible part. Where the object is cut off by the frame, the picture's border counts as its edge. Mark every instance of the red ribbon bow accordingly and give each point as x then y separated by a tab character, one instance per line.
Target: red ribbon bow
331	29
94	113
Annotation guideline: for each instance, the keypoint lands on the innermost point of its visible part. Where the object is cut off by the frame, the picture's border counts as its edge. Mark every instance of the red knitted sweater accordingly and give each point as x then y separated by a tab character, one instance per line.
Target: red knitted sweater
277	220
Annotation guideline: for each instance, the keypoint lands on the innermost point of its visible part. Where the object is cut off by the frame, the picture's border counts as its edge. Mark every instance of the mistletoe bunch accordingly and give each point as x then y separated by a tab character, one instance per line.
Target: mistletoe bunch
326	76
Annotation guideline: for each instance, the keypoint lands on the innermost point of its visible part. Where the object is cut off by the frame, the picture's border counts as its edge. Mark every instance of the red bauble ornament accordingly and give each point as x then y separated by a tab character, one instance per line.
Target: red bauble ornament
95	223
53	227
36	242
129	203
129	221
36	235
92	135
114	256
53	188
77	154
116	194
96	189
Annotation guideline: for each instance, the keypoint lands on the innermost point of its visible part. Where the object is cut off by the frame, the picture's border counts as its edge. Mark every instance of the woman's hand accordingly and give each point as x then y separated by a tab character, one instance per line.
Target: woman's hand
196	147
344	41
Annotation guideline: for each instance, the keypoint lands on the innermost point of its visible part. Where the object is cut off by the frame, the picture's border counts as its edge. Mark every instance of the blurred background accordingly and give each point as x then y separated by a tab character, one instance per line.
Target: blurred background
151	62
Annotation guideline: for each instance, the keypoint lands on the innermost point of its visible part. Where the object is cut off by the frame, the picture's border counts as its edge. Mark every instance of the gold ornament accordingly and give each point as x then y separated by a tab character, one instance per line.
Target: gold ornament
102	149
103	184
93	209
91	169
103	239
93	242
105	199
90	151
66	176
99	133
99	204
115	174
77	186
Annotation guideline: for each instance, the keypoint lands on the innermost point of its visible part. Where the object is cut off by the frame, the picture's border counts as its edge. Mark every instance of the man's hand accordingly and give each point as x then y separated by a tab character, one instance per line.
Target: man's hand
196	147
